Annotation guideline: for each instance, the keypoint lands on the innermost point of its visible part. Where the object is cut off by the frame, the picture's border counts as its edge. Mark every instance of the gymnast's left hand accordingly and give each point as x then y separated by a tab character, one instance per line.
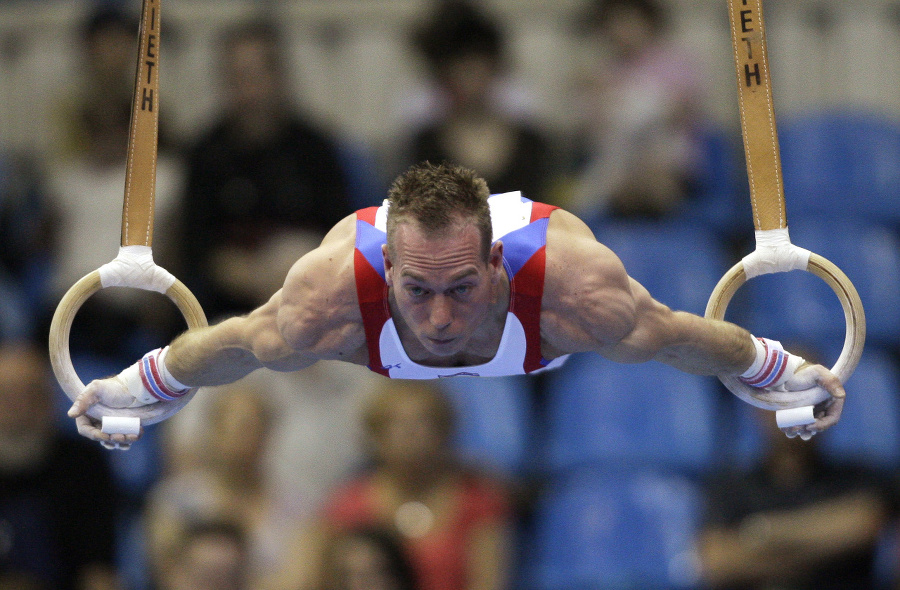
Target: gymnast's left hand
828	412
112	392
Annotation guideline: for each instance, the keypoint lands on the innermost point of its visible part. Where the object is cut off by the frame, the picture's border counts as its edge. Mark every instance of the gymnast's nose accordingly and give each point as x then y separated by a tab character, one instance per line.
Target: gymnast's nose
441	315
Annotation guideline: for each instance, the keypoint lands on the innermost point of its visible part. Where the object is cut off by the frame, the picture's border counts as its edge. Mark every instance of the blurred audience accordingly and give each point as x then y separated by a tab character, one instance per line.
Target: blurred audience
367	558
318	429
223	477
27	237
106	53
209	555
642	107
454	521
264	182
58	502
465	51
794	521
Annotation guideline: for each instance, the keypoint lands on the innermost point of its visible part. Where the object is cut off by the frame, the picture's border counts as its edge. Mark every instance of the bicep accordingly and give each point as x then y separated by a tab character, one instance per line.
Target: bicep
319	310
588	298
594	305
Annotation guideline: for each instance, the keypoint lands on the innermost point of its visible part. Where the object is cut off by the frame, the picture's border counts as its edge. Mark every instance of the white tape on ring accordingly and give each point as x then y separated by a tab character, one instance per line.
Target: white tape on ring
795	417
134	267
120	425
774	253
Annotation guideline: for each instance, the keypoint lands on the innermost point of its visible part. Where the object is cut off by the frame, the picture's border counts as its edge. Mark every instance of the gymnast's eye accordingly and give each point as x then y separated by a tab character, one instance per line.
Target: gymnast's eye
462	289
415	290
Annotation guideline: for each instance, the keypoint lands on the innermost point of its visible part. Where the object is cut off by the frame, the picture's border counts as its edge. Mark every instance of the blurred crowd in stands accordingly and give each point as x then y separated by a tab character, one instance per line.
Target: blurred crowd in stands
597	476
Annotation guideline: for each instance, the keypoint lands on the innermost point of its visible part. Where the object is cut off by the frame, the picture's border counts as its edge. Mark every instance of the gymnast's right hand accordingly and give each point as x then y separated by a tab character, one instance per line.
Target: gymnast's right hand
112	392
143	383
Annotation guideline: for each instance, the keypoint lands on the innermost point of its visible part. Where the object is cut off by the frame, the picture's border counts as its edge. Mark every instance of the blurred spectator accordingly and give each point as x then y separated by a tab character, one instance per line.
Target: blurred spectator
795	521
107	50
642	112
210	555
26	244
318	429
225	477
367	558
58	505
264	183
466	55
454	522
87	187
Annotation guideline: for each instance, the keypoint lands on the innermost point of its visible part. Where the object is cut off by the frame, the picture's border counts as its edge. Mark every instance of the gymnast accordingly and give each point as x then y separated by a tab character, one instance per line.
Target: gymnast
442	280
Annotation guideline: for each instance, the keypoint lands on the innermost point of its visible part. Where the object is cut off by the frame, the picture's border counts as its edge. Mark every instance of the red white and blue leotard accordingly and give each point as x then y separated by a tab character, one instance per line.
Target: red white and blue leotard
522	226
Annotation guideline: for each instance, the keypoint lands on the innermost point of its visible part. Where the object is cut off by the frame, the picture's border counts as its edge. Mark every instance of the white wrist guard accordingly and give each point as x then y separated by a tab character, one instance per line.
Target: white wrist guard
773	365
149	380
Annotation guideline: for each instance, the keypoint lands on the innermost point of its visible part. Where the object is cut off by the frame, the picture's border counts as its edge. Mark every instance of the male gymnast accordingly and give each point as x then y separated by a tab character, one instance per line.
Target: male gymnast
442	280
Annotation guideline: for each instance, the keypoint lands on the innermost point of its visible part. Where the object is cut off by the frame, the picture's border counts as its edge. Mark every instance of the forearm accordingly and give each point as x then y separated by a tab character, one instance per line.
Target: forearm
685	341
706	347
727	559
828	528
210	356
772	545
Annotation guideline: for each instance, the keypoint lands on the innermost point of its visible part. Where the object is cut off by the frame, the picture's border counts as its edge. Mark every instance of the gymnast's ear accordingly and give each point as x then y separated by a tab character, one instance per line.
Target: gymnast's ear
495	257
388	265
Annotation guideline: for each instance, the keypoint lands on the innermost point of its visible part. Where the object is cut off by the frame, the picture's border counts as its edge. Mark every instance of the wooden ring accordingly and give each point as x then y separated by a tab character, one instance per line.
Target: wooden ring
61	359
855	334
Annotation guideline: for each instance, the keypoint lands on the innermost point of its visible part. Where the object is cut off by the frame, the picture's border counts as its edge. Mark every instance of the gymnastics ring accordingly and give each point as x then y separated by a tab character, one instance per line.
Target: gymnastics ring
61	360
134	266
774	251
855	334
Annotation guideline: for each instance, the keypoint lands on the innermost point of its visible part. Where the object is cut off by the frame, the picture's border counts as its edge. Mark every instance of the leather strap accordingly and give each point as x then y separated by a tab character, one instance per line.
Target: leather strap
751	60
140	174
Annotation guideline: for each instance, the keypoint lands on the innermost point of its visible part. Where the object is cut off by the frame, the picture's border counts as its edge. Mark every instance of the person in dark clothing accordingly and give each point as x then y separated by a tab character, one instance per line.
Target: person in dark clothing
794	521
465	53
58	504
262	181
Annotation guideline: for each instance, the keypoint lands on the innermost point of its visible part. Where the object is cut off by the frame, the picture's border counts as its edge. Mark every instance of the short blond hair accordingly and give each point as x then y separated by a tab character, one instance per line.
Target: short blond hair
439	196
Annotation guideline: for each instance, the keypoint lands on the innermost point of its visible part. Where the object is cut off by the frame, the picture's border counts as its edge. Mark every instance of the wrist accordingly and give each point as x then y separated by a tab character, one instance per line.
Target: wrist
155	382
773	365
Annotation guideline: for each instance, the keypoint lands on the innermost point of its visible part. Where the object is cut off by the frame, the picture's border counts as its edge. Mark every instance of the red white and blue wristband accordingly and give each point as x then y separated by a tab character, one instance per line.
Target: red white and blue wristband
157	379
773	365
150	382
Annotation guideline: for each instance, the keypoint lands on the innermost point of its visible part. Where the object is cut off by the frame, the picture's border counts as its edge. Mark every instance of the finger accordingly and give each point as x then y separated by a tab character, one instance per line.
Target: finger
88	428
830	382
115	446
828	413
124	439
84	401
791	431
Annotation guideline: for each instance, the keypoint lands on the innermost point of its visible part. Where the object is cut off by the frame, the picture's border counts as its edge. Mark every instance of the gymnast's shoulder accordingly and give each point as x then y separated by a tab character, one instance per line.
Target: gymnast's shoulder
587	300
319	311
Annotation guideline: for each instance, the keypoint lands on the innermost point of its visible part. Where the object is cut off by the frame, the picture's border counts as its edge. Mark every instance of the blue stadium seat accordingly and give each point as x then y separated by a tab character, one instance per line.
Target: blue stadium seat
720	202
678	263
869	430
495	421
597	530
648	415
842	162
802	306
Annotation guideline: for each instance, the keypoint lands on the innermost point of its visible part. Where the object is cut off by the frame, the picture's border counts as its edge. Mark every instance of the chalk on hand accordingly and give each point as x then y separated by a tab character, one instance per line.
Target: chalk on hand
795	417
120	425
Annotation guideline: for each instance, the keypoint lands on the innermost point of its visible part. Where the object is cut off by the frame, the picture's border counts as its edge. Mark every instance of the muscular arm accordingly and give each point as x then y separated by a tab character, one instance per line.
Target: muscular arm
591	304
772	546
313	317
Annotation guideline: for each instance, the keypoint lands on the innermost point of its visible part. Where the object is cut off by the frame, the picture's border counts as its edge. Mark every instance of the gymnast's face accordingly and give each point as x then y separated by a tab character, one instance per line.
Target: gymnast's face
443	289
